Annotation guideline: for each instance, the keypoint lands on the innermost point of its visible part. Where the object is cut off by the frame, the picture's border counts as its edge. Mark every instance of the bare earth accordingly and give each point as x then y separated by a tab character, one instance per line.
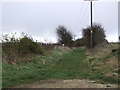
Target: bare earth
75	83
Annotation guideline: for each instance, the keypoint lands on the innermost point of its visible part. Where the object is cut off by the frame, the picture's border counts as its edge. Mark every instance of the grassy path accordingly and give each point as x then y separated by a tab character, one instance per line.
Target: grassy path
61	64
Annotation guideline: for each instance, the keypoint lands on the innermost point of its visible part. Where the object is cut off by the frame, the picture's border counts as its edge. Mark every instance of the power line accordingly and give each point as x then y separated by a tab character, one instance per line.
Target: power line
84	14
80	12
93	9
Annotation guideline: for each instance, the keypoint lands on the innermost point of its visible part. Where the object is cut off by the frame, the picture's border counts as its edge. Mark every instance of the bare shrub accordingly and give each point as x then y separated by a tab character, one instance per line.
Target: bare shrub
64	36
15	48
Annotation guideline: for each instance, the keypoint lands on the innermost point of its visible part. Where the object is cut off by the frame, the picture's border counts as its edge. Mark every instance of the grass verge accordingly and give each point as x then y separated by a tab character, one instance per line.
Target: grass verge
58	64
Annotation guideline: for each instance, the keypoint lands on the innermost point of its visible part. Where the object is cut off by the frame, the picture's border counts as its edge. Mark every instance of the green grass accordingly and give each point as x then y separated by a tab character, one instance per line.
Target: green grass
68	65
114	42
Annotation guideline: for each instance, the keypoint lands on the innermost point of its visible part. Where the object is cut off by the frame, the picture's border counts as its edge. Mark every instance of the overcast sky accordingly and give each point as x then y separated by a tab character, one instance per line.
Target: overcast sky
40	19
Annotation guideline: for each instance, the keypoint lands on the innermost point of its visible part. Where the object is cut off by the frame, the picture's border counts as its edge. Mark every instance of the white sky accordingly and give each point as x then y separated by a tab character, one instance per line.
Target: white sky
41	17
56	0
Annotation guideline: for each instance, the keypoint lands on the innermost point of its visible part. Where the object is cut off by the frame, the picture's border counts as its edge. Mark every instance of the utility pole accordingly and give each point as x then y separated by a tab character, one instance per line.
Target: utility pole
91	41
91	21
91	12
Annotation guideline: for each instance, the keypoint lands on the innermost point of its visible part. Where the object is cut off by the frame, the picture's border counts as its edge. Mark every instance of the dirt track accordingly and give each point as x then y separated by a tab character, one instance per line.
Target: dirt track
75	83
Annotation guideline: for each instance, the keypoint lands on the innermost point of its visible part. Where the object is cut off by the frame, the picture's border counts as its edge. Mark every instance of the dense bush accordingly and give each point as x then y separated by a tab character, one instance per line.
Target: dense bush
98	35
27	45
49	46
79	42
15	48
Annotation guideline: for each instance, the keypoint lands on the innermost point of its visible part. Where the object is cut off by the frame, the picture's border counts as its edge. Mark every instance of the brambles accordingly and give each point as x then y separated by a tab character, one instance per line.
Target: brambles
15	48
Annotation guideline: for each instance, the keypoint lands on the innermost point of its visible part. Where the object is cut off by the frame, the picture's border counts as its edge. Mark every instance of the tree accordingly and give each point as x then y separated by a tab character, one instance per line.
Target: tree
64	36
98	35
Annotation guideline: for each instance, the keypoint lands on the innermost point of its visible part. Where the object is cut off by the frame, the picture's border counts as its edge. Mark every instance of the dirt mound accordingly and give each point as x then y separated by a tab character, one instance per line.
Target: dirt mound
102	50
103	58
